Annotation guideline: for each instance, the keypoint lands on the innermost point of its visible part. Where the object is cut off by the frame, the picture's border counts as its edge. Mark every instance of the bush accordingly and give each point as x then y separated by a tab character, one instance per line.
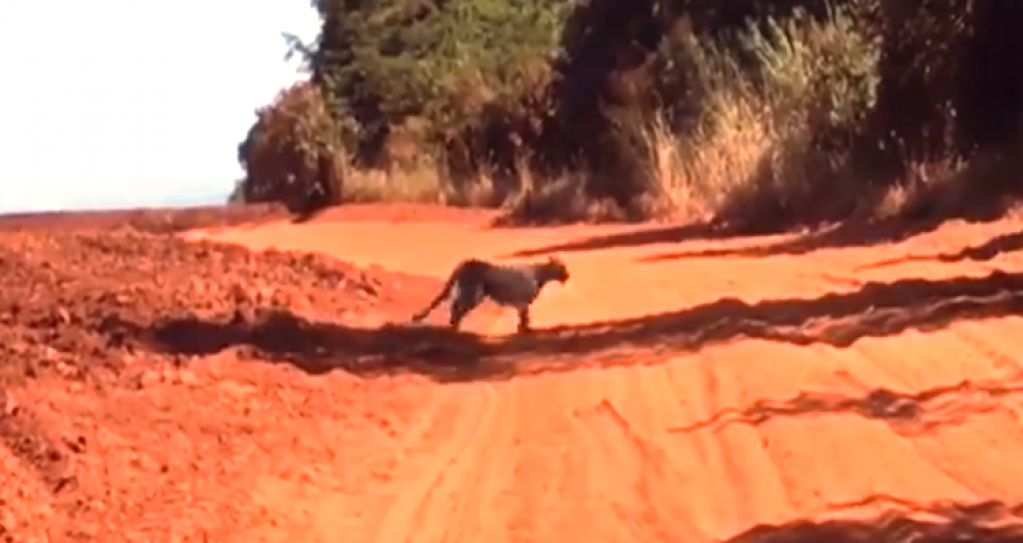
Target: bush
771	142
294	153
947	124
762	115
751	126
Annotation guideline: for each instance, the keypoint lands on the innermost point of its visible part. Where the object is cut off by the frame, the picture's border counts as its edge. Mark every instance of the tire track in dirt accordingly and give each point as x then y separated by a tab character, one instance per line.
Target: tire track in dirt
641	493
413	514
336	486
975	414
549	465
442	494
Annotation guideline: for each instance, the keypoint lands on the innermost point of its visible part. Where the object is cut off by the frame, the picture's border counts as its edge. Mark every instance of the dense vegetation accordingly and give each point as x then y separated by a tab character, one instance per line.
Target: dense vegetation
760	114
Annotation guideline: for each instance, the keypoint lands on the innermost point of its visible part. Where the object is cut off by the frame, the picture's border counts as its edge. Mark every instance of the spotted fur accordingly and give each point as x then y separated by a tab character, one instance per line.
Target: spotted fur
473	280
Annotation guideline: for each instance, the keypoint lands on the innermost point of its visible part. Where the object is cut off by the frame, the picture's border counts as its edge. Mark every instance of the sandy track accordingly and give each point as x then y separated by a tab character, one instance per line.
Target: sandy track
706	441
740	391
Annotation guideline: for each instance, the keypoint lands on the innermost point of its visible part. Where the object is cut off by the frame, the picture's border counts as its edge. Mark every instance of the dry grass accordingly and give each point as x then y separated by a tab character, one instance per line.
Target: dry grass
294	146
755	148
768	145
562	200
294	137
370	186
421	186
753	152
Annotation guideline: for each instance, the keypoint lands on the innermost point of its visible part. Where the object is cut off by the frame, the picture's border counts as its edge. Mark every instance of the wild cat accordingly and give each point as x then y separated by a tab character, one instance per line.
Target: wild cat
473	280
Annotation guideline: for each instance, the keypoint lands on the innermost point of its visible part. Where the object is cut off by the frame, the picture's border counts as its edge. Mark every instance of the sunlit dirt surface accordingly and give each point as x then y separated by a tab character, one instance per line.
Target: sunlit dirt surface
192	387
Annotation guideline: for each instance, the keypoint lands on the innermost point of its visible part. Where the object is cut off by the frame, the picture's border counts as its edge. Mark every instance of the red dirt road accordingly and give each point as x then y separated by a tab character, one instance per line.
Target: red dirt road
724	394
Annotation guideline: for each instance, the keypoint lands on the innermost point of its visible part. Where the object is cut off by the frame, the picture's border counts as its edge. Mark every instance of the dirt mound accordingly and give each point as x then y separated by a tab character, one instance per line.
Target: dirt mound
100	309
65	295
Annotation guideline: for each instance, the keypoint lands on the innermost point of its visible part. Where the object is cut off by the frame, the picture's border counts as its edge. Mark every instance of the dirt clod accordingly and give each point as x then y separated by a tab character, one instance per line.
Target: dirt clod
88	315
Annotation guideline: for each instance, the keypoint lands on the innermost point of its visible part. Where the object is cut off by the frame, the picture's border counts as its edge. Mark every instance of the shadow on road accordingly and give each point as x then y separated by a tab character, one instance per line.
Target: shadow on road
845	236
985	251
318	347
635	238
849	234
838	319
904	522
908	413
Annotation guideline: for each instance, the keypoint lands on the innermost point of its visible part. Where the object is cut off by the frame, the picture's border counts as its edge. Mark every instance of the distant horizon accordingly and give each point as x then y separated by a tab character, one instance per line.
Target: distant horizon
199	198
115	207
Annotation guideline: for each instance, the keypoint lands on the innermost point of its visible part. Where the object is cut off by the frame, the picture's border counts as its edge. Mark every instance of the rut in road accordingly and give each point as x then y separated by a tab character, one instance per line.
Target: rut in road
905	429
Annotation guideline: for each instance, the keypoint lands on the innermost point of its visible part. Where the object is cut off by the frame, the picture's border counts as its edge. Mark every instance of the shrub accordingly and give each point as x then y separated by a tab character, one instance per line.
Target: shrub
762	115
753	127
772	140
295	152
452	86
950	102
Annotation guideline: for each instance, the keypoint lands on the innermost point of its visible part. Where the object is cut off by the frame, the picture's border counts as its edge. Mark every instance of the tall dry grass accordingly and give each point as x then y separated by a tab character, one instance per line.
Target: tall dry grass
772	137
762	136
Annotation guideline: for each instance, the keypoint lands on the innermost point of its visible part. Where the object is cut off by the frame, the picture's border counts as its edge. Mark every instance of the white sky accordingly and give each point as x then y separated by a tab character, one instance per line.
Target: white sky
111	103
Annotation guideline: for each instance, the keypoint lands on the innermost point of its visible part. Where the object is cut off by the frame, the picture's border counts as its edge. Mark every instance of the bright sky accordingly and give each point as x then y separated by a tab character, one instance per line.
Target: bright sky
111	103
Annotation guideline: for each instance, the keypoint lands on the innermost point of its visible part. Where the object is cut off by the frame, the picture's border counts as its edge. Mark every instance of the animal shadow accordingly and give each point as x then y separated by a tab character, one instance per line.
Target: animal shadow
320	347
837	319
